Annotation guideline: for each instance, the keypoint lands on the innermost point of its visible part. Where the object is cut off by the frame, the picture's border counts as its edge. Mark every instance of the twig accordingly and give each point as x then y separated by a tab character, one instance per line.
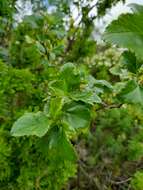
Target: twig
120	182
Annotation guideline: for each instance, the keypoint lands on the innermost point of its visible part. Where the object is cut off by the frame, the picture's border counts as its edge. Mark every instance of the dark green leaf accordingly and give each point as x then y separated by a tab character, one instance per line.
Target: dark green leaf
130	61
132	93
77	116
59	146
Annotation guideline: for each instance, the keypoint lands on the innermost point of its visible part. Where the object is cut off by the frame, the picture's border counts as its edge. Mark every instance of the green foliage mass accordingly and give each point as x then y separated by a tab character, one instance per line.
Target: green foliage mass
137	181
71	112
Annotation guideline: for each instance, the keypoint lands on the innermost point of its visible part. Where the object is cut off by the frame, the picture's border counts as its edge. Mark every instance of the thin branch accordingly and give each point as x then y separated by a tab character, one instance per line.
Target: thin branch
120	182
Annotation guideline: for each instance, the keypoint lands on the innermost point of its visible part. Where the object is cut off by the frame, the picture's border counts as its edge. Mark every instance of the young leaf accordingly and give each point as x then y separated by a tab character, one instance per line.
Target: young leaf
70	75
88	97
58	87
31	124
103	83
55	106
127	32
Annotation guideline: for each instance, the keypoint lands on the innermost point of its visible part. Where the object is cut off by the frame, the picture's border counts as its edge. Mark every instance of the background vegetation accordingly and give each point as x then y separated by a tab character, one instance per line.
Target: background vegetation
84	98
